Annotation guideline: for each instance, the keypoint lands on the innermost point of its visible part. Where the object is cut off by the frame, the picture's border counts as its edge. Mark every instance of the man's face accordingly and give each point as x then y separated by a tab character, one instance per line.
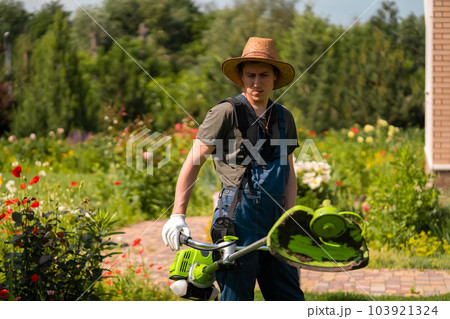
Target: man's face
258	79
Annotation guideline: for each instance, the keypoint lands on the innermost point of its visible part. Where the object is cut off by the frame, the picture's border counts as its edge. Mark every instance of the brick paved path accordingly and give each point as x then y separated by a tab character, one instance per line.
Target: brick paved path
375	282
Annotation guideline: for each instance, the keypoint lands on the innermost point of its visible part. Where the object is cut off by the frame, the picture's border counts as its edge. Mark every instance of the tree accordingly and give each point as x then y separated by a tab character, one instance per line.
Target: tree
57	94
42	21
13	18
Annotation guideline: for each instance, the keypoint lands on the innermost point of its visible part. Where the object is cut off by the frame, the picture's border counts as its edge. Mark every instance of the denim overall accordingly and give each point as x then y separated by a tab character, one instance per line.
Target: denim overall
254	216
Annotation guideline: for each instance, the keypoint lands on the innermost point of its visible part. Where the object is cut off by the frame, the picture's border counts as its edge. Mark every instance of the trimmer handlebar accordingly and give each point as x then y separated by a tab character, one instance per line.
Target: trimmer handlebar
188	241
184	239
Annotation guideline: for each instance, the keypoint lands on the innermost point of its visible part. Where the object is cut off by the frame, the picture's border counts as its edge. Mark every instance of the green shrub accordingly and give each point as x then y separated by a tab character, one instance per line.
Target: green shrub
52	255
402	204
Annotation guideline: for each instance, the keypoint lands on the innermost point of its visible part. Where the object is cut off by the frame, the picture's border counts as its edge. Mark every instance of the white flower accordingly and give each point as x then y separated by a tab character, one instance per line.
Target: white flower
360	139
42	173
369	140
38	163
12	138
14	164
60	130
32	136
10	186
351	134
46	164
316	182
51	133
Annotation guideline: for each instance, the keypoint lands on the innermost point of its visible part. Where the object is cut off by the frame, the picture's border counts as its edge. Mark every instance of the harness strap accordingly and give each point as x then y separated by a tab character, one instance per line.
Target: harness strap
224	225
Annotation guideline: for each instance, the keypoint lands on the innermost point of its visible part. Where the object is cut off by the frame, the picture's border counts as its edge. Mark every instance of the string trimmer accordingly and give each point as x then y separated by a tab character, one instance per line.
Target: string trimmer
321	240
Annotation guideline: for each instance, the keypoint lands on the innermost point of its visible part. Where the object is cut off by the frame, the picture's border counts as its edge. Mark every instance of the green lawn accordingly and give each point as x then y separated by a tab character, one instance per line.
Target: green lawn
348	296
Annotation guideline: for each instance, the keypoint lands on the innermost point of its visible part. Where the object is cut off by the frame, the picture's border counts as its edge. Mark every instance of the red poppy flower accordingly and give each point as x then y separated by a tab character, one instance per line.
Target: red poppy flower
159	268
16	171
136	242
138	271
383	152
312	133
117	271
34	180
2	216
124	255
354	130
3	293
35	204
108	282
11	201
178	127
24	201
109	273
73	184
34	278
23	186
141	251
117	182
338	183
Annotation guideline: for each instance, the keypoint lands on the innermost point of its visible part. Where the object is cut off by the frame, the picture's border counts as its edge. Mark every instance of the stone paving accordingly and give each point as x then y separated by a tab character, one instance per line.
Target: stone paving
155	255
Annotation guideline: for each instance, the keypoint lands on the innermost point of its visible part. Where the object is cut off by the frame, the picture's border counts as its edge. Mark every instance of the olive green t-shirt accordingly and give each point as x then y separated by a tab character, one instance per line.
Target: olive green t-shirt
220	129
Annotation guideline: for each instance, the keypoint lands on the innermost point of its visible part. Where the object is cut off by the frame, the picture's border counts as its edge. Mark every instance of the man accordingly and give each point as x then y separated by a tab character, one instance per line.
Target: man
252	140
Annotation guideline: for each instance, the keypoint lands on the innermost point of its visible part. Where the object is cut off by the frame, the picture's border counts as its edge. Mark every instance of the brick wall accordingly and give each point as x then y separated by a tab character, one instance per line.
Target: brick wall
441	82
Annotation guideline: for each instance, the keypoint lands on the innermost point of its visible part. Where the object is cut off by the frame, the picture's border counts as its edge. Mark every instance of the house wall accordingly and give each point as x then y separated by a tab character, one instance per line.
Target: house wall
437	89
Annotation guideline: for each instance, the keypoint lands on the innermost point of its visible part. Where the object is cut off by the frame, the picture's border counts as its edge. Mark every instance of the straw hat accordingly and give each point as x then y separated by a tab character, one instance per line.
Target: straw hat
259	50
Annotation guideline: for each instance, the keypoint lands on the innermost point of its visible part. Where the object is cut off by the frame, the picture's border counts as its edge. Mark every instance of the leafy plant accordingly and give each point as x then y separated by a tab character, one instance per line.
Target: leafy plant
43	260
402	203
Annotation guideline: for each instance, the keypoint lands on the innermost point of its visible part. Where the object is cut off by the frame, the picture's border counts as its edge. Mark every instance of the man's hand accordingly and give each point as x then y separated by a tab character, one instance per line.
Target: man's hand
171	231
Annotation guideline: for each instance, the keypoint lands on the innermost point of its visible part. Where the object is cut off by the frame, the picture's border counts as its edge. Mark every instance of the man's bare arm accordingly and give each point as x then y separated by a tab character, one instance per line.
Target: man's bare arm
291	190
188	175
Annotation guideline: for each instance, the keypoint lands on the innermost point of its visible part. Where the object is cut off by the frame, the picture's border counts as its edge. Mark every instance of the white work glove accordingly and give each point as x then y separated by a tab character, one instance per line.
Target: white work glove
171	231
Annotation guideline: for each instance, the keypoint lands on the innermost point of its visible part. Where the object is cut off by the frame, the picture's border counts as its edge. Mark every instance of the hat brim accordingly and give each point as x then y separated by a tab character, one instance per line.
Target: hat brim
287	72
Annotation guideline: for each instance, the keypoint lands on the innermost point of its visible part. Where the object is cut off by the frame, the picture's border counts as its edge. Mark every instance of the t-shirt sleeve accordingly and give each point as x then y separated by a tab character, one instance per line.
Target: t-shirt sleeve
291	131
217	124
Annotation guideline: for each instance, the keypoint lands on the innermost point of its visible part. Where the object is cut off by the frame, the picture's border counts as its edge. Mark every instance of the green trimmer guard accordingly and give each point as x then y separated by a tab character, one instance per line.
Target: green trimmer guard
321	240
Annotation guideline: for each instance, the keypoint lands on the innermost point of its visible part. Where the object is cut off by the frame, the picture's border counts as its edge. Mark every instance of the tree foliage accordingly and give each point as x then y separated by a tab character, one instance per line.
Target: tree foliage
162	60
